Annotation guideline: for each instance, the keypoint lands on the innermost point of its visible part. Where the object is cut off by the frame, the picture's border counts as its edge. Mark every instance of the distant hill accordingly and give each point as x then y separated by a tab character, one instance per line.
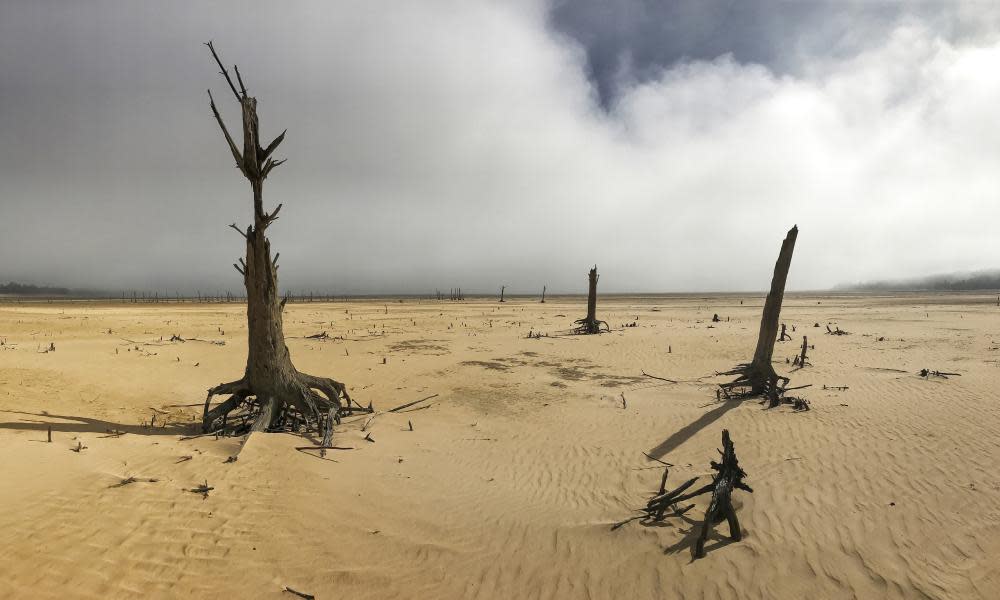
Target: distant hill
25	289
953	282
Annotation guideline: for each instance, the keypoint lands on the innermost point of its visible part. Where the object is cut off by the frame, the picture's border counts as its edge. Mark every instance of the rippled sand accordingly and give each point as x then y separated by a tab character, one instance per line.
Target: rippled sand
510	480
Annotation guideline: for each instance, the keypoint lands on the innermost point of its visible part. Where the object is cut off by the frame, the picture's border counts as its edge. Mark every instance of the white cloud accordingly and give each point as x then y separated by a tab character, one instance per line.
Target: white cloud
460	143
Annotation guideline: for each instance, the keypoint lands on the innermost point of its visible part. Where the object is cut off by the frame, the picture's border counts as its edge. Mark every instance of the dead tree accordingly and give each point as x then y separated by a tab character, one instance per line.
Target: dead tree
783	335
271	394
758	377
502	288
590	324
543	294
728	476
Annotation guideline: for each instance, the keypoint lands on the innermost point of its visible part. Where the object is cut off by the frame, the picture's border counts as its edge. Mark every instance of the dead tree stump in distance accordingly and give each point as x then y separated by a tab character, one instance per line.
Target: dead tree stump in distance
590	324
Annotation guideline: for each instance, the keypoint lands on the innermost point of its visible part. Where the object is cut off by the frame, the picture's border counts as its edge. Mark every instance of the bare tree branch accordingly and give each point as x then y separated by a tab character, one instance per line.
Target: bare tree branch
229	139
237	267
238	230
270	218
262	155
243	88
225	73
270	165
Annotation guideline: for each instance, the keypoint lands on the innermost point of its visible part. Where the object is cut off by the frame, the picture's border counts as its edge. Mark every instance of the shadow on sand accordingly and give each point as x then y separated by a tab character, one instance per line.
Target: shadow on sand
74	424
688	431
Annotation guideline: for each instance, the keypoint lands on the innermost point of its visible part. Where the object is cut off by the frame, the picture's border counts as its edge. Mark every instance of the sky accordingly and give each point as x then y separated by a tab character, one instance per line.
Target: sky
480	143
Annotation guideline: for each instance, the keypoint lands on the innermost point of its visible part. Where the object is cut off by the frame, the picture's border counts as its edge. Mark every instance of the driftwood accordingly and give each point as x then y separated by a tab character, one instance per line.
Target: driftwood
645	374
758	378
837	331
800	360
299	594
202	489
409	404
941	374
130	480
728	476
590	323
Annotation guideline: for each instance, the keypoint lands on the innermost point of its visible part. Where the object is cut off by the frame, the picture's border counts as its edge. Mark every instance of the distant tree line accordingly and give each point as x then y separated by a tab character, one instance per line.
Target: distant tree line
27	289
954	282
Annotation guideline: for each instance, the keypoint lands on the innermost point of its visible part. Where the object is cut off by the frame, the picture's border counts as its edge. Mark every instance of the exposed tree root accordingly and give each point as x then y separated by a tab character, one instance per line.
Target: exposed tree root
752	382
306	403
589	326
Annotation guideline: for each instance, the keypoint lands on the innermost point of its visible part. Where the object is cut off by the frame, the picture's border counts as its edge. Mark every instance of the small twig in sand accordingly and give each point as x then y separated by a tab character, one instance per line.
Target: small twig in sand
662	462
409	404
202	489
645	374
184	459
299	594
129	480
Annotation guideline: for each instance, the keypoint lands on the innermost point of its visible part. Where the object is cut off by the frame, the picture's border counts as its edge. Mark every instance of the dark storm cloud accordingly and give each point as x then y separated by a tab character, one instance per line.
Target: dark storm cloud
461	143
634	40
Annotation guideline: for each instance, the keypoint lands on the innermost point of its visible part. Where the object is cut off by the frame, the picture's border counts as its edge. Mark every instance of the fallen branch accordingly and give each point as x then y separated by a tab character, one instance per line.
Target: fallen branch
129	480
941	374
645	374
409	404
299	594
202	489
729	476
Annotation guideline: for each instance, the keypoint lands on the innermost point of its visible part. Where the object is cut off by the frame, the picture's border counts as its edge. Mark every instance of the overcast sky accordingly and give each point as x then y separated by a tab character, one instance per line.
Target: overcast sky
484	143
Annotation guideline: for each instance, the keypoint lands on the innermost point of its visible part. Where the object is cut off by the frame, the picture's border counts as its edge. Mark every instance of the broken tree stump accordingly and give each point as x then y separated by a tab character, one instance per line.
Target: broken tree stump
590	323
758	377
800	360
728	476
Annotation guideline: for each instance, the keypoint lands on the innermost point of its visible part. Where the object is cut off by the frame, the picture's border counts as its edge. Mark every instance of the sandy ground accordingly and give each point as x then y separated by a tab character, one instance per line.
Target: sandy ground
511	478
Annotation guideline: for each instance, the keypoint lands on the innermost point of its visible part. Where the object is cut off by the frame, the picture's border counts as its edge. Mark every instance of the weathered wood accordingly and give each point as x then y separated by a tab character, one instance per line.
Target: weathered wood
590	324
409	404
729	476
272	391
758	377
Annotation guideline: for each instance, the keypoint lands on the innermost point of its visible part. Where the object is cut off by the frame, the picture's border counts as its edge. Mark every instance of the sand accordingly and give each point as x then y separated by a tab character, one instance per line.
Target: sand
511	478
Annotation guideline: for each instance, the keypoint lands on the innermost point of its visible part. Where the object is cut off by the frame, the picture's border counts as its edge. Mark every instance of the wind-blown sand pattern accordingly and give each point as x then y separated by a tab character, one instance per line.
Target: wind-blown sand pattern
512	476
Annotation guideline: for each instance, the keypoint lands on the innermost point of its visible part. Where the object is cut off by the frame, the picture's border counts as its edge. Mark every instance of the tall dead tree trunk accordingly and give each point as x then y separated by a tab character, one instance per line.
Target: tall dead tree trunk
758	377
590	324
543	294
502	288
271	393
